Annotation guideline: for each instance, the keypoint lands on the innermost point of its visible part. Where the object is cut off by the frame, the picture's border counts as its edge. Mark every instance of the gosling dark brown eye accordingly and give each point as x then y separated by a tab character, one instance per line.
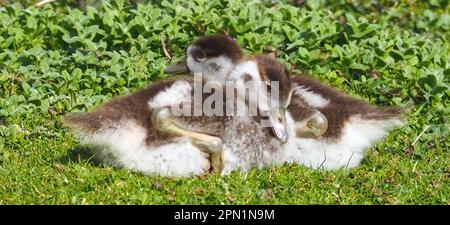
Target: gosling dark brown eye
199	55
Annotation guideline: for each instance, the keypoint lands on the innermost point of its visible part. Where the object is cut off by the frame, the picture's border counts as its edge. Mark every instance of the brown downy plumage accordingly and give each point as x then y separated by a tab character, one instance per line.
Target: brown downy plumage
275	71
340	108
133	106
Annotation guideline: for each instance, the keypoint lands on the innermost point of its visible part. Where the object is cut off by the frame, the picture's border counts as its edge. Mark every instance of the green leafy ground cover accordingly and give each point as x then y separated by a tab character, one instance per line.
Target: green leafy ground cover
61	58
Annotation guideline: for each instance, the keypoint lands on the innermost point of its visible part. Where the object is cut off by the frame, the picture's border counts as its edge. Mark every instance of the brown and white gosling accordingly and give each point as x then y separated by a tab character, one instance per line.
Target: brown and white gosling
331	129
139	131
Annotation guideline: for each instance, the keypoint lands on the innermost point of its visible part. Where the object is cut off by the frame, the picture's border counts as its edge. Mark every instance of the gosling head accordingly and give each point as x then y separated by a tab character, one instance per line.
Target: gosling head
271	71
213	56
269	88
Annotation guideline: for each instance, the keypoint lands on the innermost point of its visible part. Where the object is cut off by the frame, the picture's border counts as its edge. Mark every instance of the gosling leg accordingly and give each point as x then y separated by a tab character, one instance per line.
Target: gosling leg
163	121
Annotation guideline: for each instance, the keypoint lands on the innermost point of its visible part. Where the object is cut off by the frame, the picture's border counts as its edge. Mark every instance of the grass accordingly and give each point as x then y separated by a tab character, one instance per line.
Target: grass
61	59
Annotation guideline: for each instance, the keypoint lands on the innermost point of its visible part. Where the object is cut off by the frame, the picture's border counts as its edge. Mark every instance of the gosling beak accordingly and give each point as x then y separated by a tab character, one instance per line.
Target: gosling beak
277	118
179	67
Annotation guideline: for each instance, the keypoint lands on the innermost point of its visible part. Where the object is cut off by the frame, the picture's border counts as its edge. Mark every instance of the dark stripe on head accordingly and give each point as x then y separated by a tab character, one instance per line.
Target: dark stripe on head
217	45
